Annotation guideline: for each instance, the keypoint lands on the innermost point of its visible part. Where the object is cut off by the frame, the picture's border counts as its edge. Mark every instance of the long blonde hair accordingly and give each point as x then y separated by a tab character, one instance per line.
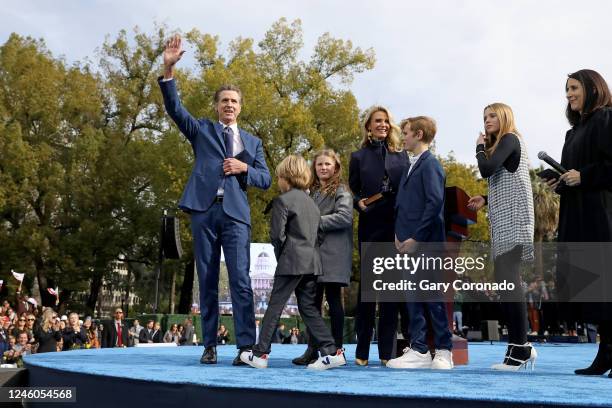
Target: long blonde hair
47	319
506	125
334	181
393	138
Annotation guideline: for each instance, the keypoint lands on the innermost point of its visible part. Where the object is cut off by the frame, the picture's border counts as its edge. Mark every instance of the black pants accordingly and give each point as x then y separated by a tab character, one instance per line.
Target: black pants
333	295
387	328
305	287
604	328
508	267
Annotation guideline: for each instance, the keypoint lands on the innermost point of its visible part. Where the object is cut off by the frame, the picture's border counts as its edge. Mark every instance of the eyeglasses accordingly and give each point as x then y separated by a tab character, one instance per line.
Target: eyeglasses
31	320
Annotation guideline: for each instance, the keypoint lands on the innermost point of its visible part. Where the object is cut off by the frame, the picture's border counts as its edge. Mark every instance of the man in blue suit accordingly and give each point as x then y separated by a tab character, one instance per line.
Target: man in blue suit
420	218
227	160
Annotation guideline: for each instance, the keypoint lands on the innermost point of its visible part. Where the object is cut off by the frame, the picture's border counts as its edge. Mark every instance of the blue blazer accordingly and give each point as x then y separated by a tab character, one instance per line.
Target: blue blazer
419	205
206	139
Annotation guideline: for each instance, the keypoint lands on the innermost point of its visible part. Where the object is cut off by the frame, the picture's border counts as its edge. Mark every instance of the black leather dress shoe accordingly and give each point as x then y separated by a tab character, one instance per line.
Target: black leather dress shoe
209	356
237	361
310	356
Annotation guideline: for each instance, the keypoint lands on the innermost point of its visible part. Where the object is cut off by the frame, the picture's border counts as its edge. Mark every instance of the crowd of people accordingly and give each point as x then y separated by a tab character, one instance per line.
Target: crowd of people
27	328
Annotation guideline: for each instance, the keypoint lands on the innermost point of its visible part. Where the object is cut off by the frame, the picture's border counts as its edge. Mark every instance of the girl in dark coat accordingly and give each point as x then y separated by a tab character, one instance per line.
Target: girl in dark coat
585	213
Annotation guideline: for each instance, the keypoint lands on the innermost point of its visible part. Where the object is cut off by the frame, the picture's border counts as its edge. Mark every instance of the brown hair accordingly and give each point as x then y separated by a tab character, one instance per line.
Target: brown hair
596	95
295	171
507	125
334	181
227	87
393	138
425	124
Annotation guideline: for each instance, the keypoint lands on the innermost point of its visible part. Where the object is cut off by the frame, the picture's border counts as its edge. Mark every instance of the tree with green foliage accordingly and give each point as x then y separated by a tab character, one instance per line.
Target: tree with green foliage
89	158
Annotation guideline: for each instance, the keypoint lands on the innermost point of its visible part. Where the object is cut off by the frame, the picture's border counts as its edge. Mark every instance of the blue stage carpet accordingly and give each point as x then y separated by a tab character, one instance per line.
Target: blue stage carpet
552	382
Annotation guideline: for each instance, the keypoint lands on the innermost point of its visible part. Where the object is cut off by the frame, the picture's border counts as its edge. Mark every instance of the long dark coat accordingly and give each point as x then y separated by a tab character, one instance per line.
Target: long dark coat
586	210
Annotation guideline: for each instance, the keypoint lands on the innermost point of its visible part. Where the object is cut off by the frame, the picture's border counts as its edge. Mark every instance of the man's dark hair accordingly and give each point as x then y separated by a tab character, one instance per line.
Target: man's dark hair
596	95
227	87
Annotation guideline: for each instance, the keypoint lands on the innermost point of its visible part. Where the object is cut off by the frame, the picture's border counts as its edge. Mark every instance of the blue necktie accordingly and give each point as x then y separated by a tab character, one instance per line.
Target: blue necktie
228	136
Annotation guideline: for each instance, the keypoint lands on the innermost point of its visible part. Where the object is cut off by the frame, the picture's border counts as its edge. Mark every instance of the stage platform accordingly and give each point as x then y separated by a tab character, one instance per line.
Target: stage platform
174	377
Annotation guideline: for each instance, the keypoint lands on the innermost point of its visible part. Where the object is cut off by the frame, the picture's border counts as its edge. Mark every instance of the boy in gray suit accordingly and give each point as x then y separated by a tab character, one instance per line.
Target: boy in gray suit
293	232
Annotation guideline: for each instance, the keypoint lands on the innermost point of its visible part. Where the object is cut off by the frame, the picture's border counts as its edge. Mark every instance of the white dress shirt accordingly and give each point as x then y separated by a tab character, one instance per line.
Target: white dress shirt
237	145
414	159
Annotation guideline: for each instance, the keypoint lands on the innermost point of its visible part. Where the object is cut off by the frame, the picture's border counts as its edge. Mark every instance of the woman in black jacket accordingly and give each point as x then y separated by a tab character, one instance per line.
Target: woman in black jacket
47	333
585	213
75	336
376	168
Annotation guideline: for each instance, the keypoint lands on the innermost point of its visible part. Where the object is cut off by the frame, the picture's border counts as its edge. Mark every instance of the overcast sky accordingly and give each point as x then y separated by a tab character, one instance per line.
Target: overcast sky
445	59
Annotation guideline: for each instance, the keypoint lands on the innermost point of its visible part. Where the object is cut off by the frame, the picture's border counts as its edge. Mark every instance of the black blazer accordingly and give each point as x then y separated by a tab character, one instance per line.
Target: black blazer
109	335
157	336
47	341
72	338
154	336
366	173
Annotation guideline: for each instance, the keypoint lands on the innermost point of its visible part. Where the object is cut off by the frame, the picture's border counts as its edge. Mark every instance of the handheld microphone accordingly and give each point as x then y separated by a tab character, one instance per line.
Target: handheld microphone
551	162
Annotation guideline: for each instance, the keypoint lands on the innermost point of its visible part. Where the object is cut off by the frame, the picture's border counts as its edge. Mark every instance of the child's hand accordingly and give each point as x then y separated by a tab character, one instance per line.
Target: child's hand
398	244
481	139
406	247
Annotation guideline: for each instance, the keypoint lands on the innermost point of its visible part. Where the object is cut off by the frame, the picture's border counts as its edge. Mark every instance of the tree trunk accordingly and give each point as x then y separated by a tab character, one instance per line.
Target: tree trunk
96	285
184	306
127	291
43	283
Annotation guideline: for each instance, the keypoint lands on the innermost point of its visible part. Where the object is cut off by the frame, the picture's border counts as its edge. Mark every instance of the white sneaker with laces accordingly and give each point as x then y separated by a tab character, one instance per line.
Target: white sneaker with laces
329	361
411	359
249	358
443	360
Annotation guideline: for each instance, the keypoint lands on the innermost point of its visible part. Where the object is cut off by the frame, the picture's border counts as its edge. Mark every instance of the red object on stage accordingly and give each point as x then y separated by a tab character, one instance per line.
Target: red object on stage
457	215
458	218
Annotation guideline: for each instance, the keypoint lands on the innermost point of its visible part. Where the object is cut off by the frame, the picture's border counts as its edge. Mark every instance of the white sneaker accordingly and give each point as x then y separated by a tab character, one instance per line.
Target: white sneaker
411	359
249	358
443	360
327	362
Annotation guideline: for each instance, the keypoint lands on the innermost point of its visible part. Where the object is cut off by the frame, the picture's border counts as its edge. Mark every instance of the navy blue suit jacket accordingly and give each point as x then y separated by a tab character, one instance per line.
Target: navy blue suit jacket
206	139
420	202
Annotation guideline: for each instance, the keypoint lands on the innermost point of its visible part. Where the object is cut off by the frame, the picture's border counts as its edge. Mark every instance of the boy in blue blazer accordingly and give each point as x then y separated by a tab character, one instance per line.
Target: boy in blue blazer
420	218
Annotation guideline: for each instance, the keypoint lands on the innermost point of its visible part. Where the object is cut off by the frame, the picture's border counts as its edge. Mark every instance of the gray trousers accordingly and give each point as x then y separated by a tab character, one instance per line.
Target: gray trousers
305	292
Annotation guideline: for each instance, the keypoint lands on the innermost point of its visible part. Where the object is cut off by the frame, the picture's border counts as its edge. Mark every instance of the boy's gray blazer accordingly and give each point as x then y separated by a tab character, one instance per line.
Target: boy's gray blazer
293	233
336	235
